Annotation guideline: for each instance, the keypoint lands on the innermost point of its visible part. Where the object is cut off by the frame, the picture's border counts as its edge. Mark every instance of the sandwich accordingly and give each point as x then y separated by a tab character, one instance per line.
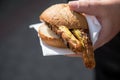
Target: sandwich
65	28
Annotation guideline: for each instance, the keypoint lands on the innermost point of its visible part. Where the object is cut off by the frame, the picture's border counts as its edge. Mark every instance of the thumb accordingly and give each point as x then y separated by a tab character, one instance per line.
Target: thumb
86	6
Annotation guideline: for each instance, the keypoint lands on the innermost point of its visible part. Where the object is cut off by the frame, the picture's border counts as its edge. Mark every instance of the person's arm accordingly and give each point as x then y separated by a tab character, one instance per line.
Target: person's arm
106	11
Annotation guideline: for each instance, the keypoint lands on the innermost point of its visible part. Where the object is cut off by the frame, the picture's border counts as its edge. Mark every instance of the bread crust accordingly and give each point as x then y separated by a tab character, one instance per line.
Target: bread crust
50	40
60	14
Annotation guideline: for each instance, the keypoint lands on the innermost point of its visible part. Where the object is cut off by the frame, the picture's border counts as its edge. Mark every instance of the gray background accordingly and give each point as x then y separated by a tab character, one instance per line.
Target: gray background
20	54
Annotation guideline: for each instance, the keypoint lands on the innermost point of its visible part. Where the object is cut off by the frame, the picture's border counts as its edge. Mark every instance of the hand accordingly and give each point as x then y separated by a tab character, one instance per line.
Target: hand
107	13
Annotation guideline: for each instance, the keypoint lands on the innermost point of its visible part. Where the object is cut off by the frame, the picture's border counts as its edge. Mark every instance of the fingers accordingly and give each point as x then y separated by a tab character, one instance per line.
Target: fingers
91	7
106	34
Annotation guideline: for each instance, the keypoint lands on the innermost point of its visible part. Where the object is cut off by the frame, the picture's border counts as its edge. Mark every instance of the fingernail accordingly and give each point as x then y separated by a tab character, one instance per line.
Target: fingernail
73	4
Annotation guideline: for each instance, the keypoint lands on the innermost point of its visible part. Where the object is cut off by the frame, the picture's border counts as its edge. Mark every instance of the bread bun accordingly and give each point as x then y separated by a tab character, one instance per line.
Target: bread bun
49	37
60	14
57	15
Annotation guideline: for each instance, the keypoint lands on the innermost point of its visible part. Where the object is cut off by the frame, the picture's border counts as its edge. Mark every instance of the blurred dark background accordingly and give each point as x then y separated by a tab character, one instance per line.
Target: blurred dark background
20	53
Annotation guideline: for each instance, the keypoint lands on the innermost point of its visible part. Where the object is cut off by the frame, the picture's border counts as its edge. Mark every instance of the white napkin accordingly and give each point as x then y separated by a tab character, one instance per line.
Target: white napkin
94	28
